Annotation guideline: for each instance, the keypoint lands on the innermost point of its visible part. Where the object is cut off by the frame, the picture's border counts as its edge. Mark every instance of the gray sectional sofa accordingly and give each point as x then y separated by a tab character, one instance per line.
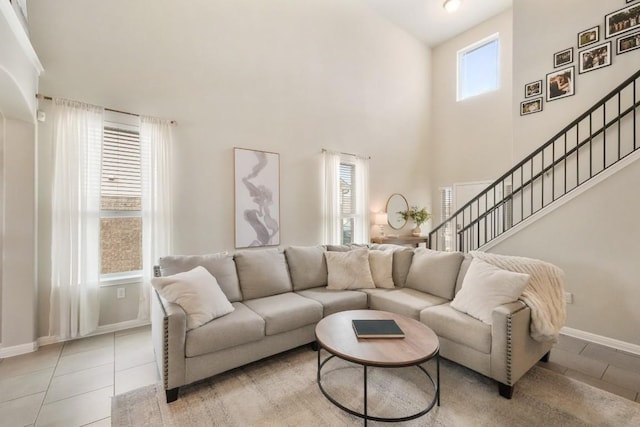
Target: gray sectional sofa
279	296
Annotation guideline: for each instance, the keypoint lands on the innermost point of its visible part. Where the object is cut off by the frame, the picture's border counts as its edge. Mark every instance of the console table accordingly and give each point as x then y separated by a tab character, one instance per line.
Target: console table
402	240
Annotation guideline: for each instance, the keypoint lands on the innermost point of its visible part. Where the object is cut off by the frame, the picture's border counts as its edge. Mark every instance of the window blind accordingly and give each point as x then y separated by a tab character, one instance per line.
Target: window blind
121	180
347	172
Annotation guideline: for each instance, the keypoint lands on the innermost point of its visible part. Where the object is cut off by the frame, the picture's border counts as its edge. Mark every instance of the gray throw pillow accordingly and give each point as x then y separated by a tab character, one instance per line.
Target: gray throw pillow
434	272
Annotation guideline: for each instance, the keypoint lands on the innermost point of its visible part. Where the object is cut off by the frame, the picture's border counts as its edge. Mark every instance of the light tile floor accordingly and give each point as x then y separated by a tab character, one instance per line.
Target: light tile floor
604	367
71	384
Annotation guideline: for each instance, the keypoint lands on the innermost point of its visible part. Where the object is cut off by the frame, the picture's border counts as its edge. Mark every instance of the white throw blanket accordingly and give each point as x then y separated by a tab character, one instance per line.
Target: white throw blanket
544	294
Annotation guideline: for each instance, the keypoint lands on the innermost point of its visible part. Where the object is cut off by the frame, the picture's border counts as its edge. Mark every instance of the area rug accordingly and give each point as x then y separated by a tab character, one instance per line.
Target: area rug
282	391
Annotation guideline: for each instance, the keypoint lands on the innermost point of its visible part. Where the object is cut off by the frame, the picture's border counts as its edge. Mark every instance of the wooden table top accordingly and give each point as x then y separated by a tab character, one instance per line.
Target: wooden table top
336	335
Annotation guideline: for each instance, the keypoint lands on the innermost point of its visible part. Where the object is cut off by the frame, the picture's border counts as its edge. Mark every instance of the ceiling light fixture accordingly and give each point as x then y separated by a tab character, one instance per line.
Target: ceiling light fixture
451	5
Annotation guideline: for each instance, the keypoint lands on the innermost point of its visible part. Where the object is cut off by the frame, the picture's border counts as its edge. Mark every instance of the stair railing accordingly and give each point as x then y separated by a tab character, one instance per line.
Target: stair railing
599	138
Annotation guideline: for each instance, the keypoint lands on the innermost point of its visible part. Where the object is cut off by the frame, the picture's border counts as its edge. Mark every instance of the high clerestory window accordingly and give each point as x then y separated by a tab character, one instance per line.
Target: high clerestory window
479	68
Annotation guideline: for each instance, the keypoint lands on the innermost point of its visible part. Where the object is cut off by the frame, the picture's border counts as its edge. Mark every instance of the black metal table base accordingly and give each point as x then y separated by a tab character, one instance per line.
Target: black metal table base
365	415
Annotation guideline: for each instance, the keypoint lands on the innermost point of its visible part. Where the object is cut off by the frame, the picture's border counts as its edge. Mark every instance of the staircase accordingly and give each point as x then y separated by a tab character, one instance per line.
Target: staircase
600	138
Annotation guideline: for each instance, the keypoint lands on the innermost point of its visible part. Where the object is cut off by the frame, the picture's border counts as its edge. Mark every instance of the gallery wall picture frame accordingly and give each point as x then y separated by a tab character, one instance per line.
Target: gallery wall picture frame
621	21
533	89
531	106
589	36
561	83
563	57
594	58
628	43
257	198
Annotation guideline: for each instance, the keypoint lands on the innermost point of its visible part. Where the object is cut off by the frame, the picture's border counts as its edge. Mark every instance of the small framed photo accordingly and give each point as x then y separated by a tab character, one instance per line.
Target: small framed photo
590	36
563	57
531	106
533	89
628	42
561	83
621	21
595	57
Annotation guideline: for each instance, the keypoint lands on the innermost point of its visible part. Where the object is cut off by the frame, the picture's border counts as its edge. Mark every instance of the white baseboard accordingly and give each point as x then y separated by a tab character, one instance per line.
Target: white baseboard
599	339
115	327
17	350
106	329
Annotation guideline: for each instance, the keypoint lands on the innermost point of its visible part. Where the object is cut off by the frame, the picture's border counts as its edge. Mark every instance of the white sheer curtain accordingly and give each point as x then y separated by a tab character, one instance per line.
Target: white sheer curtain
332	227
75	223
332	209
361	223
155	150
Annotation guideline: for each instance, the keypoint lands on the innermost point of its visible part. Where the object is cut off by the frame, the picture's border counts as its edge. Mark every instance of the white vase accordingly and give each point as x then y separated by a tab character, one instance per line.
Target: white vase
416	231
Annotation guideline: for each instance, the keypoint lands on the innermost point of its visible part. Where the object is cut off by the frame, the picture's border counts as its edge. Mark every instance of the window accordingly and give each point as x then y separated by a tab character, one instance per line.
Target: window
346	205
446	208
479	68
120	203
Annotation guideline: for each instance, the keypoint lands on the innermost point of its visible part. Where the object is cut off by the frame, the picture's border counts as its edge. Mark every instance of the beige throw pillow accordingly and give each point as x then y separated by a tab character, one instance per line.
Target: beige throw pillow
349	270
486	287
381	263
197	292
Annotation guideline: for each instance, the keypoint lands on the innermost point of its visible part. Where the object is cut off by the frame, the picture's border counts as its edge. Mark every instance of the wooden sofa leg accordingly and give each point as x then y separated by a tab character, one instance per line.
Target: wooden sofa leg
314	346
172	395
545	358
506	391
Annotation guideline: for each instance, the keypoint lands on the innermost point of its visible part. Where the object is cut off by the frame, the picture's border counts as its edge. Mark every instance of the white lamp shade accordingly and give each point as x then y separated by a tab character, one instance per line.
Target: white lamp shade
382	219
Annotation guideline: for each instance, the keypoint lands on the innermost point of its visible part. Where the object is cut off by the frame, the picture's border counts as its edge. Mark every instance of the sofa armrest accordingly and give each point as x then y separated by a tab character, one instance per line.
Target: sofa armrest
168	331
513	351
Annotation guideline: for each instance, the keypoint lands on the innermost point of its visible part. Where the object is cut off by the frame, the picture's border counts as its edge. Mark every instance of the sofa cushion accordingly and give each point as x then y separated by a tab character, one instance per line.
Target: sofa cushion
461	328
262	273
338	248
349	270
307	266
434	272
402	257
240	327
408	302
485	287
335	301
220	265
381	263
286	312
197	292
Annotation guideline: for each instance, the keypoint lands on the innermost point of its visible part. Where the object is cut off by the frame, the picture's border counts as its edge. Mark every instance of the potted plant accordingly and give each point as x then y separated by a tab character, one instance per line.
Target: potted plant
418	216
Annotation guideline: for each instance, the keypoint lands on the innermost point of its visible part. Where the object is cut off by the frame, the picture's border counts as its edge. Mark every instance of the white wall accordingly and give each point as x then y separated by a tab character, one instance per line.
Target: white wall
18	235
594	237
471	140
542	28
283	76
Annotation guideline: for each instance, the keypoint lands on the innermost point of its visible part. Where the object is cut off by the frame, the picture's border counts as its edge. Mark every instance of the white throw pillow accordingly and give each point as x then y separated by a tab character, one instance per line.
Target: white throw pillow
486	287
197	292
349	270
381	263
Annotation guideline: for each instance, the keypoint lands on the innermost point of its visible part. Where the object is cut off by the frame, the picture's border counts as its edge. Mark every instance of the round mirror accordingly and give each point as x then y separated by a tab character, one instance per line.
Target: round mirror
395	204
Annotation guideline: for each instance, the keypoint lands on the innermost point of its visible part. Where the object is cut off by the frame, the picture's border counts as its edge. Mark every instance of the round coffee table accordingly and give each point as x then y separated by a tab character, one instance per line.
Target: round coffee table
335	334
